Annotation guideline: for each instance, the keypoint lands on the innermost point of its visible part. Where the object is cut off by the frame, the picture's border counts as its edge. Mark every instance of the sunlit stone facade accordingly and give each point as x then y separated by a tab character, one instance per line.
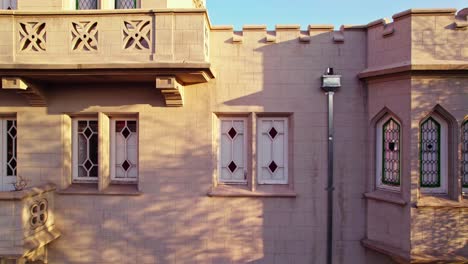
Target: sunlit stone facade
146	134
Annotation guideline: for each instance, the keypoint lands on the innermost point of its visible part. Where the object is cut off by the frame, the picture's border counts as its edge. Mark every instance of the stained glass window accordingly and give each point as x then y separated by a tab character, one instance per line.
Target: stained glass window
86	149
272	151
232	151
430	153
125	150
86	4
465	154
391	153
125	4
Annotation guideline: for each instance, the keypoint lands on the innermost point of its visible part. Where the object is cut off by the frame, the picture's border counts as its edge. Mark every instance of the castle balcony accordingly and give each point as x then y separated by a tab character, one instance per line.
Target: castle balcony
26	223
137	45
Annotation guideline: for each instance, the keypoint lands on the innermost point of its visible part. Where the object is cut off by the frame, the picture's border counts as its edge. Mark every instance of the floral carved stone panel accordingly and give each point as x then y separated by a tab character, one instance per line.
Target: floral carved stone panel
38	211
84	36
136	35
32	36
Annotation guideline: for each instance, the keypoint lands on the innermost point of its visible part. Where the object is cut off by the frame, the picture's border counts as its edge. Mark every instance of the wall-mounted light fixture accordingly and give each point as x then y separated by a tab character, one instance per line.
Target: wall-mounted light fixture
330	81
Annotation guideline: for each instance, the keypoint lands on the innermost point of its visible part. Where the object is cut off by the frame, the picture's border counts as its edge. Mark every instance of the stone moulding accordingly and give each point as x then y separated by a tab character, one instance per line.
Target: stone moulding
171	90
32	94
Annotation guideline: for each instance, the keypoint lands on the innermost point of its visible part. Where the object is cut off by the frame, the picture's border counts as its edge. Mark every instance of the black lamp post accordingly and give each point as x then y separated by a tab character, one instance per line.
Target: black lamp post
330	84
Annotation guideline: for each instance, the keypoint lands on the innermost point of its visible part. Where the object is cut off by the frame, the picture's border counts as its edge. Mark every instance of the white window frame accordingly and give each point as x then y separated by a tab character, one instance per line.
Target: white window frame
260	179
6	186
75	176
379	151
443	189
219	134
113	149
9	3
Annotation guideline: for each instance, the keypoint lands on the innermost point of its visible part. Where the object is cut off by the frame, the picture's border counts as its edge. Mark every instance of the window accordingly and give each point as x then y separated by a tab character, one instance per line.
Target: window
124	150
8	159
232	150
86	4
433	155
85	149
388	156
8	4
464	159
272	139
252	162
125	4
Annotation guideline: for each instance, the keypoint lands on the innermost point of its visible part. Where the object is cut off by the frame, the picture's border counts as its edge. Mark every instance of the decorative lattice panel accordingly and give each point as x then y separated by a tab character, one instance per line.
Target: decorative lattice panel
126	149
38	213
465	154
11	147
391	153
32	36
87	148
136	35
125	4
84	36
86	4
430	153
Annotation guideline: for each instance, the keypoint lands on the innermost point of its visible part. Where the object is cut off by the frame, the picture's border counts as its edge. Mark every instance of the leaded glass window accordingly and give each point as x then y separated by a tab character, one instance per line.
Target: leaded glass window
125	4
86	149
232	151
430	153
124	150
272	151
465	154
86	4
391	153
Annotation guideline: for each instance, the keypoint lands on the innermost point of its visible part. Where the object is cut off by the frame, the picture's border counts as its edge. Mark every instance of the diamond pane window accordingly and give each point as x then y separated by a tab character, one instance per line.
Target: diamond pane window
124	150
232	151
125	4
465	154
430	153
8	158
272	150
86	4
85	144
391	153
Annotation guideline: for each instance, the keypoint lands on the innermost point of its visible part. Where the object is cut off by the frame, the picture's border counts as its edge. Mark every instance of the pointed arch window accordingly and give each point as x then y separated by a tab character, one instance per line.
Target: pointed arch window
433	147
388	153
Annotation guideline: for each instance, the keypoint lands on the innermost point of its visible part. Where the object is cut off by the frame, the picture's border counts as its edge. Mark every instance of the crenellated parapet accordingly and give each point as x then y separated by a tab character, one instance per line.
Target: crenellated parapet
283	33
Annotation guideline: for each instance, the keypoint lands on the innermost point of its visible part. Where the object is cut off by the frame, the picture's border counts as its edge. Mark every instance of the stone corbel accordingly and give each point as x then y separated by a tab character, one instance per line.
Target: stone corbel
33	94
172	91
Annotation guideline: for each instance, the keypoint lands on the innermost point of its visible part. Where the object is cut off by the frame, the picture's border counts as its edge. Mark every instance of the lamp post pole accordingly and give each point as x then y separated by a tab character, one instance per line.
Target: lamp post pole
330	84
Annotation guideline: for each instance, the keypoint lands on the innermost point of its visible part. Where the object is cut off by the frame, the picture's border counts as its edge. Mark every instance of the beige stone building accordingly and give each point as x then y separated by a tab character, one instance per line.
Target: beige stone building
136	131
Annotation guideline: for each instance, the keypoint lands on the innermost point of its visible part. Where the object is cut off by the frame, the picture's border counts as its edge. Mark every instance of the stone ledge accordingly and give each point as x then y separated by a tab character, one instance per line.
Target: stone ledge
243	191
407	66
384	196
26	193
438	202
92	189
102	12
425	11
397	254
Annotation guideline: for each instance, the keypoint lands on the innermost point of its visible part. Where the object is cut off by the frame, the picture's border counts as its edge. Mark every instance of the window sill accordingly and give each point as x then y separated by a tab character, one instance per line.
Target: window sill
441	201
92	189
384	196
243	191
28	192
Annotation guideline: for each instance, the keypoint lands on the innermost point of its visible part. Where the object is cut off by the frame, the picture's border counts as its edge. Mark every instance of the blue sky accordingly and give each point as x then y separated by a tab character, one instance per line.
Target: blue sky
305	12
